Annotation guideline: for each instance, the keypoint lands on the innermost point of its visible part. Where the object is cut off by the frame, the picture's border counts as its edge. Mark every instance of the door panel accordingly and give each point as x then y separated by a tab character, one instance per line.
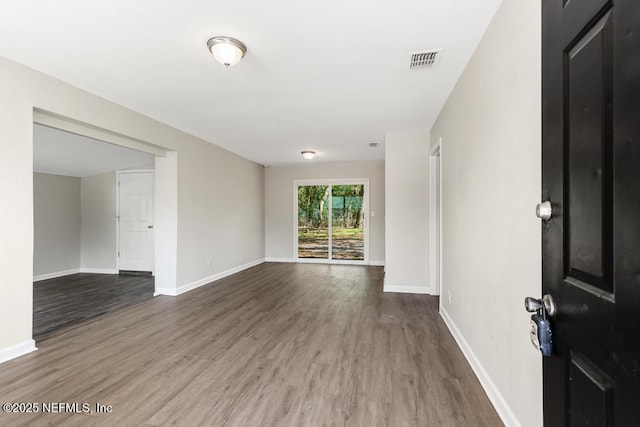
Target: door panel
313	222
591	175
591	393
347	222
588	158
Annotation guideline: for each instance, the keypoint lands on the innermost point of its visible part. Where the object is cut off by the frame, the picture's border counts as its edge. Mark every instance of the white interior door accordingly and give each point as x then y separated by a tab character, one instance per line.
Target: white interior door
135	221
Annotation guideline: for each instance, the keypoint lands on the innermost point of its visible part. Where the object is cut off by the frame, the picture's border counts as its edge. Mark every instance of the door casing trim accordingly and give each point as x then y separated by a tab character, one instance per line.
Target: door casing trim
435	188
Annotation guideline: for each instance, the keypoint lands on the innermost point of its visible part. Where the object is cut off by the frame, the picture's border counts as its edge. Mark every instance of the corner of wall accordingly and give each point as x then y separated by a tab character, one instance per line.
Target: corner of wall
166	224
493	392
406	211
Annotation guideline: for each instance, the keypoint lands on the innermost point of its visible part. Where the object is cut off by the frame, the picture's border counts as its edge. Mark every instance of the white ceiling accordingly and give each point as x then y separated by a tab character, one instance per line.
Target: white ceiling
62	153
327	75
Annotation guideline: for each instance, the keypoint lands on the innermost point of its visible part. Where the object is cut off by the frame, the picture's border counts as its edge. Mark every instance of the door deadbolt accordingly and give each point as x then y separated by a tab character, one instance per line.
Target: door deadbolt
544	211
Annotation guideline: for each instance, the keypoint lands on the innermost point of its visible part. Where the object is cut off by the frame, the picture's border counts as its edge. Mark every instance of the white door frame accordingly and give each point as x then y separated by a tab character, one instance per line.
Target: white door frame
330	182
126	171
435	214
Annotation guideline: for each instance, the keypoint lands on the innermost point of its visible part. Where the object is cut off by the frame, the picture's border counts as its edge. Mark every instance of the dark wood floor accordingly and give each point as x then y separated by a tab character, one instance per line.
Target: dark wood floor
275	345
67	301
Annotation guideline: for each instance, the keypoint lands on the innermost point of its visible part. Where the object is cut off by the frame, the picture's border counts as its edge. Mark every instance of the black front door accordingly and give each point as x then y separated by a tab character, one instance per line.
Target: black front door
591	244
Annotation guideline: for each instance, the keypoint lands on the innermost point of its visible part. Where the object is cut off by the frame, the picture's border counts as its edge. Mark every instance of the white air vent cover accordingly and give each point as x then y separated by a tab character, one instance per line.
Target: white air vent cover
425	59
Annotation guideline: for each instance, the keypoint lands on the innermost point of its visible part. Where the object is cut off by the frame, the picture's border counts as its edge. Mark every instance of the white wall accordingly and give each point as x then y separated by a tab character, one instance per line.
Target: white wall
279	203
98	210
220	196
491	166
220	212
56	225
407	212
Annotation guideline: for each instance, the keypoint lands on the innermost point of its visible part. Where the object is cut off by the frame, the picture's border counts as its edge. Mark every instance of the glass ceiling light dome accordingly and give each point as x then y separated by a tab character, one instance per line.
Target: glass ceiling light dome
228	51
308	154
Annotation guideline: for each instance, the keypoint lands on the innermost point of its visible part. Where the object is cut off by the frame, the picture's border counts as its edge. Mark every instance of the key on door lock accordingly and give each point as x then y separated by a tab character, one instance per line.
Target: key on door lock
540	332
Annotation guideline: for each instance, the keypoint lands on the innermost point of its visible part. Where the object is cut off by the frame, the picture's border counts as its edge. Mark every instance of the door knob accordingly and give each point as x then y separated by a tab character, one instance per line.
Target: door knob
149	226
533	305
540	333
549	305
544	211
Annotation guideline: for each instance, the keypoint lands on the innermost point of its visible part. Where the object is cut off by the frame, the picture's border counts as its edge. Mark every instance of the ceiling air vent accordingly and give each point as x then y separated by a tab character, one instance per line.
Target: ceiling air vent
425	59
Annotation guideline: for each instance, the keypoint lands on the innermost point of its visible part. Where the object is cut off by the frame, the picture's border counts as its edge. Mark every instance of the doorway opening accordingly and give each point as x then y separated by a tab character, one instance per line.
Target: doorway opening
77	170
330	221
435	222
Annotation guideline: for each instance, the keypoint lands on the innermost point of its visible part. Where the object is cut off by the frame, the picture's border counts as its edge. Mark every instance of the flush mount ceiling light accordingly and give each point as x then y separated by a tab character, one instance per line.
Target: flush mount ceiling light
307	154
226	50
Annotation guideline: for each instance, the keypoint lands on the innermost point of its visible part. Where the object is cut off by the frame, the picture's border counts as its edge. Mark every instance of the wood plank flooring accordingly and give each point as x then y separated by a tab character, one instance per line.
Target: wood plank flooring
67	301
275	345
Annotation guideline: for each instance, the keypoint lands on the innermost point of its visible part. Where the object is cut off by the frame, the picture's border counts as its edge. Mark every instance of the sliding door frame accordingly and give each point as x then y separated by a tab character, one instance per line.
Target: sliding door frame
330	183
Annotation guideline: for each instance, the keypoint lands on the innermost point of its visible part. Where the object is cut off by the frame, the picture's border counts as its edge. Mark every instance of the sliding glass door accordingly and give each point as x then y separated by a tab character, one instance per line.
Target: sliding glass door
330	223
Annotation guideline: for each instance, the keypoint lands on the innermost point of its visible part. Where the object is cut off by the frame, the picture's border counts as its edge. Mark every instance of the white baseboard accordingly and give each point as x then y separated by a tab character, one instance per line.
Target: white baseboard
164	291
53	275
377	263
99	270
497	399
56	274
406	289
17	350
205	281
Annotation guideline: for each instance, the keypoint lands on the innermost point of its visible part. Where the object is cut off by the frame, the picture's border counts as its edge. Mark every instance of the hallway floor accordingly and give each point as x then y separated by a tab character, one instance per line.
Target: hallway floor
65	302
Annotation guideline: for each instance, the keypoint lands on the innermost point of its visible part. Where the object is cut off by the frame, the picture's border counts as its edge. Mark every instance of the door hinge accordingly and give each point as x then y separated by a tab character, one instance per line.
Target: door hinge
118	253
